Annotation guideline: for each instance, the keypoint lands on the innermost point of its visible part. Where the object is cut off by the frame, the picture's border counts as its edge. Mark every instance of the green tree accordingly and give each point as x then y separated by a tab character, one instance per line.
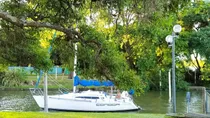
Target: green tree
196	23
118	39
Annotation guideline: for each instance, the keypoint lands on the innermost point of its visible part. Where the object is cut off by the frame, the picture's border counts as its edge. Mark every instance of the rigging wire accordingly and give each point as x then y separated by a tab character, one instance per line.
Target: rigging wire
61	88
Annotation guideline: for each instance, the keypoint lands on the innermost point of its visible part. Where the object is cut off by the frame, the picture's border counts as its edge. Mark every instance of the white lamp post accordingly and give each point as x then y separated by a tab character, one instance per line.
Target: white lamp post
170	39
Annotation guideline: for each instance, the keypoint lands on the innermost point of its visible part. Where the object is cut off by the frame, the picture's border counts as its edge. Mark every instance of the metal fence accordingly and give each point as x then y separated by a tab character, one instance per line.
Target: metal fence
205	98
30	70
208	101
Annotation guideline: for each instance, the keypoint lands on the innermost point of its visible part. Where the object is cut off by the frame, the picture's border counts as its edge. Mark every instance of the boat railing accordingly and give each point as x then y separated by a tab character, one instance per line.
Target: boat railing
63	90
36	91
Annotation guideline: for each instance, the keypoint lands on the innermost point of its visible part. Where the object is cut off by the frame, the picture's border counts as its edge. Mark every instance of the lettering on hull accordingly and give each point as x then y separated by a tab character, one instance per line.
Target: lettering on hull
100	104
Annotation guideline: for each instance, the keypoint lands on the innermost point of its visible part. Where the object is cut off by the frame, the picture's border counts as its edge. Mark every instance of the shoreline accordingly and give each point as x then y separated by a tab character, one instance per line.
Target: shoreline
21	89
50	89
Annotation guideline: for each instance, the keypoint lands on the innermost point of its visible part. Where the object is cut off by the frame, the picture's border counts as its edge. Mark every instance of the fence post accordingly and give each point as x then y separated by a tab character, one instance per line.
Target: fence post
188	101
169	84
207	102
204	100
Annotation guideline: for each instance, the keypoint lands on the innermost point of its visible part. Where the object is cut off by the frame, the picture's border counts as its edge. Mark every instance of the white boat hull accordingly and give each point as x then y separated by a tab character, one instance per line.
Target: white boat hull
68	103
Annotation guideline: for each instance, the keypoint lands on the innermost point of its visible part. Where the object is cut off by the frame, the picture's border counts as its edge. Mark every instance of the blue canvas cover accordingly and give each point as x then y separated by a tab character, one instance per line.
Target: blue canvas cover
83	82
86	82
76	80
96	83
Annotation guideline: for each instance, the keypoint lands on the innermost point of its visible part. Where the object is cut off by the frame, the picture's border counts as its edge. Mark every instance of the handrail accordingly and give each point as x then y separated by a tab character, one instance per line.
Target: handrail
208	101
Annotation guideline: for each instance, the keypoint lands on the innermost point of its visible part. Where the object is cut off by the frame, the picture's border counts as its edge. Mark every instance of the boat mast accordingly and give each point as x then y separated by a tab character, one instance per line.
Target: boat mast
75	65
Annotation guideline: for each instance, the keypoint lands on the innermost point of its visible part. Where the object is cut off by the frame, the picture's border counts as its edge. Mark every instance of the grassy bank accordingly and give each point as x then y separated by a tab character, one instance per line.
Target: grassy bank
53	83
77	115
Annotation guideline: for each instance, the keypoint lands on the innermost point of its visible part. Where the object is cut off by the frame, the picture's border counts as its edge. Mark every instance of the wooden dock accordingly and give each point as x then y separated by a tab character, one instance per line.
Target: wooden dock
189	115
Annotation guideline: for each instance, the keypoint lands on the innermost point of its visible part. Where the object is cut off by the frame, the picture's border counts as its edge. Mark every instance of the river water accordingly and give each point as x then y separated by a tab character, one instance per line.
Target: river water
151	102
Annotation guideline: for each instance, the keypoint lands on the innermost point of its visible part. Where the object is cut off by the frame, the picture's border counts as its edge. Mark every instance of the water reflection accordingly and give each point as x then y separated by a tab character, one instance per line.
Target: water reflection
196	102
158	102
17	100
151	102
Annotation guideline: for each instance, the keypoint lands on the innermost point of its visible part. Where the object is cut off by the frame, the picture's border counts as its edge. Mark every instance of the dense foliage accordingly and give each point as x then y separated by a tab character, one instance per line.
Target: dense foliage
196	22
118	40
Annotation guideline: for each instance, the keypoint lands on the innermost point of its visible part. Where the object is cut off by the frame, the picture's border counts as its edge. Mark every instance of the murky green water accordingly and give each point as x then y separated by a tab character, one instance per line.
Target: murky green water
151	102
158	102
17	100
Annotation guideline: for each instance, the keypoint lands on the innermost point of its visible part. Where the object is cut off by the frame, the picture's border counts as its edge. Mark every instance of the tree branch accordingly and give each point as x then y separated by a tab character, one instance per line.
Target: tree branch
196	59
71	33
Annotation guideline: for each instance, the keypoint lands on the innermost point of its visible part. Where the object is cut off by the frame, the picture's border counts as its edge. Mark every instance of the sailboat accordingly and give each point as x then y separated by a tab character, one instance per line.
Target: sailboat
94	101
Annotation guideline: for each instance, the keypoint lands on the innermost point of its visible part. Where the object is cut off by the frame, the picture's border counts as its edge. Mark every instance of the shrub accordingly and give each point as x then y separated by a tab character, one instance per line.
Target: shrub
13	78
1	77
